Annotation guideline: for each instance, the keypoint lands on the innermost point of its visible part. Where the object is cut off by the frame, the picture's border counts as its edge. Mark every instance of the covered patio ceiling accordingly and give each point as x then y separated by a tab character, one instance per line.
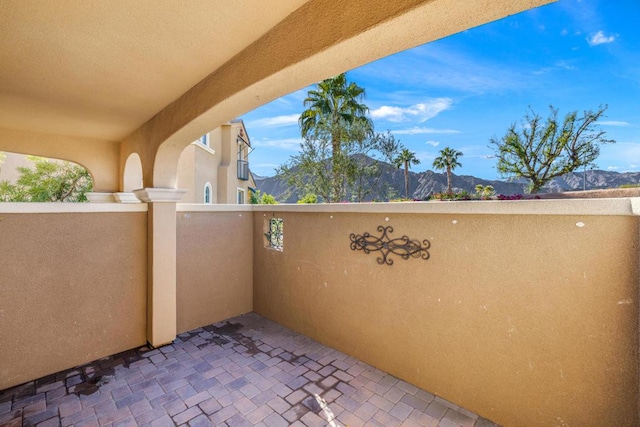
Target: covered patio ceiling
102	69
93	82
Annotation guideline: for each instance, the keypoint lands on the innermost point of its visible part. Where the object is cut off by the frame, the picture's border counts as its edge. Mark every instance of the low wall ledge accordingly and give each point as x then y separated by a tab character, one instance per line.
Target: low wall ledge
195	207
44	208
595	207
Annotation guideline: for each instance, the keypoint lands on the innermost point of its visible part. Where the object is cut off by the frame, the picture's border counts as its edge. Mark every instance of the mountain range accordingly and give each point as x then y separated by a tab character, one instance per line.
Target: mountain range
423	185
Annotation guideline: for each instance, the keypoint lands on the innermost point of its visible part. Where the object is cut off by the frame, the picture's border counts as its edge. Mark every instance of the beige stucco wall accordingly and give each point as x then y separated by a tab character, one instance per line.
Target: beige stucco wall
214	266
224	140
72	289
197	166
216	164
528	320
186	169
204	171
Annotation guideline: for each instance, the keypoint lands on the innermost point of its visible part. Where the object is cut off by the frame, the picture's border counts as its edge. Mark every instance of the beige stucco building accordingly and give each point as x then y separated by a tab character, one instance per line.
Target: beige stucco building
215	168
526	312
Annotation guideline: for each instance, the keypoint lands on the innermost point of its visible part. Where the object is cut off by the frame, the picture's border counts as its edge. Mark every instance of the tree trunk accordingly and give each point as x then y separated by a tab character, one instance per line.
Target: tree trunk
449	190
535	186
335	151
406	179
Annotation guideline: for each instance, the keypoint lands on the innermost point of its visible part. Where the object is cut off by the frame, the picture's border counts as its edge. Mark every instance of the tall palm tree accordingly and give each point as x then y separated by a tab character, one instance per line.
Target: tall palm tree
332	109
334	103
448	159
406	158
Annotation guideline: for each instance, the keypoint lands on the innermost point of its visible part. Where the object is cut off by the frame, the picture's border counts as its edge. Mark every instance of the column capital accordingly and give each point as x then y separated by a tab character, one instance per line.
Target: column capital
159	195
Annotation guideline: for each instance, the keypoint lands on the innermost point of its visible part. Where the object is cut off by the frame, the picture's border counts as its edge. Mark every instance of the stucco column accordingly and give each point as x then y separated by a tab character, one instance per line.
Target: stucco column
161	263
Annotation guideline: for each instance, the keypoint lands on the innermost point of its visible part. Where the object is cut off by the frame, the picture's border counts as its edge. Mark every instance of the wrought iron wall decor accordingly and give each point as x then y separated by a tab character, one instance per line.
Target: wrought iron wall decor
275	234
401	246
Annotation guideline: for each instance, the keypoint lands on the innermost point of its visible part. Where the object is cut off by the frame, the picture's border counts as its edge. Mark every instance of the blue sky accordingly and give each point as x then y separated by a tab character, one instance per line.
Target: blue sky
460	91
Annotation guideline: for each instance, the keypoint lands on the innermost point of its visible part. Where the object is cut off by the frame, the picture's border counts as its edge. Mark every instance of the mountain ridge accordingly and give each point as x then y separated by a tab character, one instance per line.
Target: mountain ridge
424	184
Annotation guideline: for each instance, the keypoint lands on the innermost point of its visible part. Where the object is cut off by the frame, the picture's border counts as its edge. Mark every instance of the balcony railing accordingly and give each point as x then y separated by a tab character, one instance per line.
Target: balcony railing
243	170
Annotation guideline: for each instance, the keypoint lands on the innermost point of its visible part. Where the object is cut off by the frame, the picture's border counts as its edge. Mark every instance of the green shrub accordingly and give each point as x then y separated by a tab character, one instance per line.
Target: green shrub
308	198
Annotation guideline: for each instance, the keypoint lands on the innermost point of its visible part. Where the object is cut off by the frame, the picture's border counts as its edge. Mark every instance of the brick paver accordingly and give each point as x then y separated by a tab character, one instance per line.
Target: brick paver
244	371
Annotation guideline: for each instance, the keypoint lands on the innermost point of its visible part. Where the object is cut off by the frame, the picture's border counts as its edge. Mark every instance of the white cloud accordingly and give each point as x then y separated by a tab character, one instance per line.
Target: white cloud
283	144
613	123
564	32
600	38
420	112
433	143
422	130
612	168
277	121
565	65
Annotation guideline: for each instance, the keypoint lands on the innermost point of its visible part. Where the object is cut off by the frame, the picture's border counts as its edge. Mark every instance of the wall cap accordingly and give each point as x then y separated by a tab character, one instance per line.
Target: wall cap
619	206
159	195
46	208
126	198
95	197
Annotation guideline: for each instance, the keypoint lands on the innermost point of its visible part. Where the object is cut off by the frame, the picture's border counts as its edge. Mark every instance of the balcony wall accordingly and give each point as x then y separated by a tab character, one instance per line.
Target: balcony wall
72	285
214	264
526	312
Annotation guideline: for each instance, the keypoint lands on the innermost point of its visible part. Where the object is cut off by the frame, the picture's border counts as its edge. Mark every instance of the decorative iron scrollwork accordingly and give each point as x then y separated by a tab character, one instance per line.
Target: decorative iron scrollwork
401	246
275	234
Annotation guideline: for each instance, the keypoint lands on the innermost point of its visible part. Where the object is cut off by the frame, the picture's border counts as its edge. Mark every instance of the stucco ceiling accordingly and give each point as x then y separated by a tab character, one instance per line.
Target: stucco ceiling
102	68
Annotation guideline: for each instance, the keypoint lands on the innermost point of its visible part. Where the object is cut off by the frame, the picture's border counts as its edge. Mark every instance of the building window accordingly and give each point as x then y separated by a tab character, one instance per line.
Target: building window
204	140
275	234
241	197
243	170
207	193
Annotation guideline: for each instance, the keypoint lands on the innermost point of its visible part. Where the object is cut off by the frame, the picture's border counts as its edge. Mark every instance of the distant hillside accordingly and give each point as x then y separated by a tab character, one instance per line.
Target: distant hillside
422	185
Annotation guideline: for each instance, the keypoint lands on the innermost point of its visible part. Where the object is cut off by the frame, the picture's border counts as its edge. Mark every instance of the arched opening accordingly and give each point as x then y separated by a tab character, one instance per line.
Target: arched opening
132	179
25	178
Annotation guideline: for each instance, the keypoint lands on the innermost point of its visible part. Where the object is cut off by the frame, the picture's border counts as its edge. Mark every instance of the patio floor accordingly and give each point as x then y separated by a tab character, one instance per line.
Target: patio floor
241	372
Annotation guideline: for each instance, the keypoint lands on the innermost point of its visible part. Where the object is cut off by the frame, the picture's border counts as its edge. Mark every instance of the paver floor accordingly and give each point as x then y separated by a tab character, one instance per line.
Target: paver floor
242	372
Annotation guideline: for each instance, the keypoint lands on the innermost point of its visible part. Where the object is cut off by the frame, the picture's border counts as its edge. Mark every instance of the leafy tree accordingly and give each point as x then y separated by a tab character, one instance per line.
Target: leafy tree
311	171
542	150
366	156
338	145
354	170
259	198
405	159
447	160
308	199
485	191
48	181
333	111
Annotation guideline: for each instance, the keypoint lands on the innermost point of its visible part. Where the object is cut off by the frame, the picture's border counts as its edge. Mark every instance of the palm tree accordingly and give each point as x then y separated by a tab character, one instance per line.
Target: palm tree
448	159
406	158
332	109
333	104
